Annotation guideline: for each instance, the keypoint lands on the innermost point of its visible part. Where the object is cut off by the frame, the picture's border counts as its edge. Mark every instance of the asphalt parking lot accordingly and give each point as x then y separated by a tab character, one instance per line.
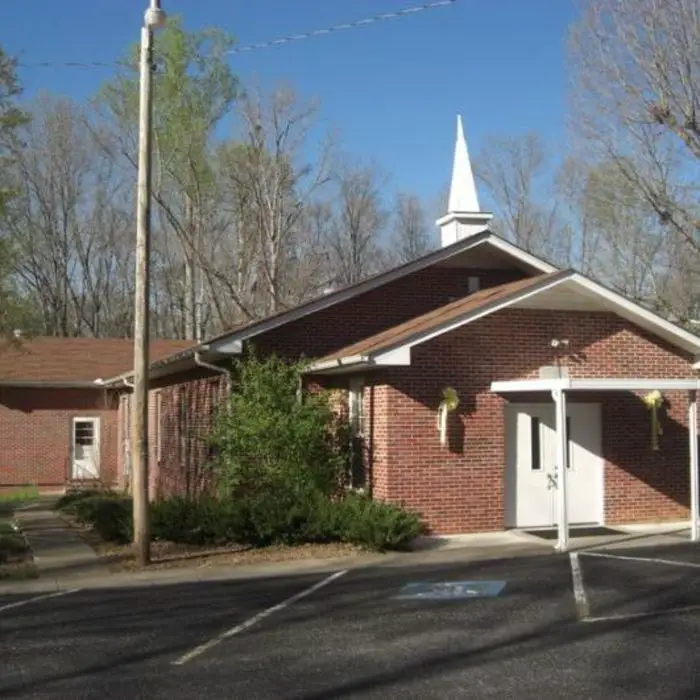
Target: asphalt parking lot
534	627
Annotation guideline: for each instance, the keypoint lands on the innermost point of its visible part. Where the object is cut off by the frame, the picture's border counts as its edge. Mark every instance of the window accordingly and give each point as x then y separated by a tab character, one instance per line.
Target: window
474	284
535	451
356	476
355	406
535	443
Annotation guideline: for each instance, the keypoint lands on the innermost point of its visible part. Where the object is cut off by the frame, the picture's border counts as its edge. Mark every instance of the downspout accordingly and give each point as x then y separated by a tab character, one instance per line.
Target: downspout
214	368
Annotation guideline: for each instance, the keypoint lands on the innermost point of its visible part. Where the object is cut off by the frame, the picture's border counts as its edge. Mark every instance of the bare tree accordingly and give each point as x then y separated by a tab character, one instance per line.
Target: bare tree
411	235
636	101
515	172
70	225
358	222
268	187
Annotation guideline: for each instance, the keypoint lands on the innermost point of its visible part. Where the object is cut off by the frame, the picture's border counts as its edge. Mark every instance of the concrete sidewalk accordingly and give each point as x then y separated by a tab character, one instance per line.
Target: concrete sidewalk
60	554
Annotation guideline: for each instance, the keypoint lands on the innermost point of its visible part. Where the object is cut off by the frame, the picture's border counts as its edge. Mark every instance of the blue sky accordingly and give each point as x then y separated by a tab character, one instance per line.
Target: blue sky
391	89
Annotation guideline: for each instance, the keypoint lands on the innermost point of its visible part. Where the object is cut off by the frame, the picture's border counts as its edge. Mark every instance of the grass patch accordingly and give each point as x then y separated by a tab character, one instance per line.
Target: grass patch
19	495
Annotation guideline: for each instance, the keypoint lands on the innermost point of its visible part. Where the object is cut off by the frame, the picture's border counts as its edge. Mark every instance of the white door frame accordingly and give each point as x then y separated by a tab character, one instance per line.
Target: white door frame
96	423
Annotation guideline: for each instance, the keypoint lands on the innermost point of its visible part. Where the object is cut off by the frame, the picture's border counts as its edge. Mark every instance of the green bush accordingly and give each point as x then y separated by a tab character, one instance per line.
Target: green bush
202	521
12	545
263	519
281	517
376	525
68	502
109	515
268	441
356	519
113	520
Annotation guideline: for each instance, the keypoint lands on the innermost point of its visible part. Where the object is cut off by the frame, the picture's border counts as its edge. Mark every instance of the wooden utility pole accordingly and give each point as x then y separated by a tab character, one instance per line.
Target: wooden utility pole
154	17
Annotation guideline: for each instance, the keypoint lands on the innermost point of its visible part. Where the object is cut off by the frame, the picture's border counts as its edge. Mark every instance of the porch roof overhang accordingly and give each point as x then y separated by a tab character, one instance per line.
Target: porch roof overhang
560	387
602	384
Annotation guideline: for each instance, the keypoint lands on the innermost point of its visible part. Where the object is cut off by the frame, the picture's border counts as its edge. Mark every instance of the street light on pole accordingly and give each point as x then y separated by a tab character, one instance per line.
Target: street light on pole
153	18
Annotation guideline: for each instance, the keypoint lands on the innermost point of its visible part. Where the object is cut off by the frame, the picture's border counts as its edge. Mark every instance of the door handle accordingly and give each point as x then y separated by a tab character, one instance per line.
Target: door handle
551	482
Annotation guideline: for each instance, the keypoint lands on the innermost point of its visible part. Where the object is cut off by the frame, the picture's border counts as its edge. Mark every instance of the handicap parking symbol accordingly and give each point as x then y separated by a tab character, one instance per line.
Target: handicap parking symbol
451	590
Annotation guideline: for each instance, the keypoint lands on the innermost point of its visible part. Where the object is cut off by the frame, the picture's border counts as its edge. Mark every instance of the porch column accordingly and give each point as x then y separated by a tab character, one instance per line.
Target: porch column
562	457
693	445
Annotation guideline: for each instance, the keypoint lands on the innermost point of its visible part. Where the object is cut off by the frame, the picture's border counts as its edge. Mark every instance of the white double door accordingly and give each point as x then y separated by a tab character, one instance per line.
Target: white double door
533	472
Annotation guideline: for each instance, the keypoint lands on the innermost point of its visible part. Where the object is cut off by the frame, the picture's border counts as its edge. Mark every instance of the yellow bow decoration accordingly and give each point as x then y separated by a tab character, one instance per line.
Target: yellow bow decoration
450	401
653	401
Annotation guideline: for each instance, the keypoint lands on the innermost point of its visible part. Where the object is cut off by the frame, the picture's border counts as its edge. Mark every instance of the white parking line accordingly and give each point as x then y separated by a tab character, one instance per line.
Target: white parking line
580	597
36	599
634	616
670	562
197	651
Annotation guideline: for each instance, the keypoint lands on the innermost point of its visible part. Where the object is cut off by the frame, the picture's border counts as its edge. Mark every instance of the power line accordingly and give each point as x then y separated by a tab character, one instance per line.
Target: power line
245	48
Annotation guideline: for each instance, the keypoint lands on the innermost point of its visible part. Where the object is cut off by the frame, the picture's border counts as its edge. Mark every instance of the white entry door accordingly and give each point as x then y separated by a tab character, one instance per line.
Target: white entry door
85	449
532	469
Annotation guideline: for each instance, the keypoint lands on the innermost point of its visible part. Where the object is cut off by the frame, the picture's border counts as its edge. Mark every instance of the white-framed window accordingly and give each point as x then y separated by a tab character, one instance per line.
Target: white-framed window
355	409
357	476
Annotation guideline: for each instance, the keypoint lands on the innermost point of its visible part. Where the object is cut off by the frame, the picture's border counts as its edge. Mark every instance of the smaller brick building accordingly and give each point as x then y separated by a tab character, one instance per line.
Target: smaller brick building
553	375
57	425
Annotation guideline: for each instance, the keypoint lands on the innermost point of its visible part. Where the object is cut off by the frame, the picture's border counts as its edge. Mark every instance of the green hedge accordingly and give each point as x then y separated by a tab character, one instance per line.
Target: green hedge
265	520
109	514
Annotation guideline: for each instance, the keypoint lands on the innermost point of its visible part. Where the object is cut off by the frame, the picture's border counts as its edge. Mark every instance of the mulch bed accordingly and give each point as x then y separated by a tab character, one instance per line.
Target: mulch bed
170	555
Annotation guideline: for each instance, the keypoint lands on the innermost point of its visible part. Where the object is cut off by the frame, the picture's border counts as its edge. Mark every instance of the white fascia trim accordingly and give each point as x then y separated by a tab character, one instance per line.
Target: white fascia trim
607	384
637	384
521	255
380	358
687	339
399	357
524	385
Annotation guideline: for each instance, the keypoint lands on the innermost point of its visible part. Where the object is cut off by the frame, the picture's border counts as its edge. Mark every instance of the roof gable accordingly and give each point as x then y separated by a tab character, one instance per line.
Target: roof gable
392	347
231	341
406	332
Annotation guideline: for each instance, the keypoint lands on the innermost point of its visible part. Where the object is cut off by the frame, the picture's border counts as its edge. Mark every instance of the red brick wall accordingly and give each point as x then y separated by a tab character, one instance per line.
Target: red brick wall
340	325
182	464
181	452
35	434
460	487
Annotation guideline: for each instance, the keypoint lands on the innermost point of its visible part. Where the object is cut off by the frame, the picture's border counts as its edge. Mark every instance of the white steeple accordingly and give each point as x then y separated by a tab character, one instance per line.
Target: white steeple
463	217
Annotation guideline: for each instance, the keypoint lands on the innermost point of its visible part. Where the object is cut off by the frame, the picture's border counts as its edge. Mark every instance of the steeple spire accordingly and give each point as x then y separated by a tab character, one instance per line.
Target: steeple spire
464	217
463	195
